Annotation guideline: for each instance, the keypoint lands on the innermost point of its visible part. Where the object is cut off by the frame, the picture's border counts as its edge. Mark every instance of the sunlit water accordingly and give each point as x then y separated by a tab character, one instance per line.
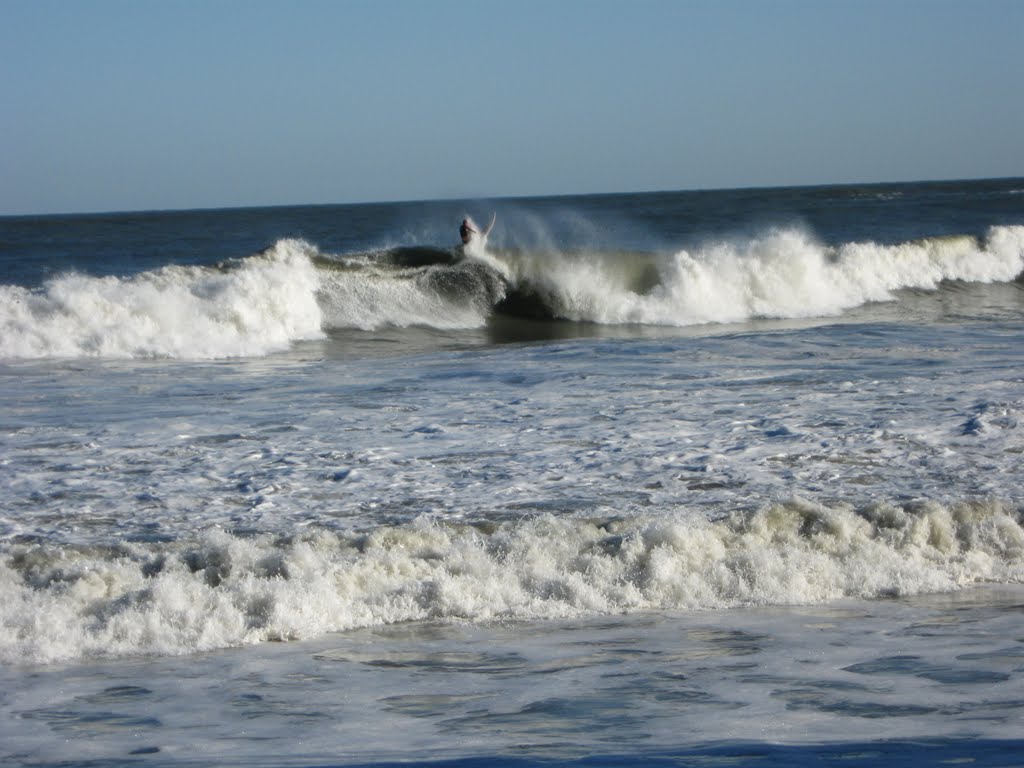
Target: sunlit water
635	481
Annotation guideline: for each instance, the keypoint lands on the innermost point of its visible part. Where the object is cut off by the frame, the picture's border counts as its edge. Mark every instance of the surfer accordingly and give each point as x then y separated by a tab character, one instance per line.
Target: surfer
468	229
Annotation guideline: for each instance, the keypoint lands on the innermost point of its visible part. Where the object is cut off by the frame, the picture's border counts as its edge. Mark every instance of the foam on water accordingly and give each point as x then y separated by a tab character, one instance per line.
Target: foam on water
259	306
927	681
222	590
784	273
292	291
453	296
604	545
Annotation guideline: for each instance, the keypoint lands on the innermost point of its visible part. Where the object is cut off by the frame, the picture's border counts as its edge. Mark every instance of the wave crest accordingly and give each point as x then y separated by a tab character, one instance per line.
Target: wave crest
251	307
409	287
291	291
785	273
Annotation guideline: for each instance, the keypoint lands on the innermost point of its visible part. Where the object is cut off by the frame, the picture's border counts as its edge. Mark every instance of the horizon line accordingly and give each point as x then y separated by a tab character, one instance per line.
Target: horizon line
478	198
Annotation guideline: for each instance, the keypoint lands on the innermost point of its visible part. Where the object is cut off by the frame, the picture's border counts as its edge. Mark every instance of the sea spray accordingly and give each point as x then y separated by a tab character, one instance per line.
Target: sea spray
448	295
783	273
292	291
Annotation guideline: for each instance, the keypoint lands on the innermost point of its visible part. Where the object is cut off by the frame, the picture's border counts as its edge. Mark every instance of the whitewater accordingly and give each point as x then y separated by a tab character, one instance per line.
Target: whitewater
292	292
718	476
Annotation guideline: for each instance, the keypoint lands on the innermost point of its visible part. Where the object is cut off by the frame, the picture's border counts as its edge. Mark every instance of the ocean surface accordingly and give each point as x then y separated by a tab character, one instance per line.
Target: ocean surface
688	478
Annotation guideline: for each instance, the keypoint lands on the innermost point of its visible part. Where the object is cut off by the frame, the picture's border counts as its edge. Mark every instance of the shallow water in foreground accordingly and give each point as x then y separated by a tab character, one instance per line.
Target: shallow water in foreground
864	683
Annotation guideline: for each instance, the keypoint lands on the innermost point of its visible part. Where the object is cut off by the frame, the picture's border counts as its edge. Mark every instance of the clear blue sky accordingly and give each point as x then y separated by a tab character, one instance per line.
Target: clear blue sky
141	104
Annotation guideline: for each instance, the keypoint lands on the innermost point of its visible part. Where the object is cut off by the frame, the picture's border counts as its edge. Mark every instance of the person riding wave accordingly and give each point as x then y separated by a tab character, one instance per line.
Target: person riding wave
468	230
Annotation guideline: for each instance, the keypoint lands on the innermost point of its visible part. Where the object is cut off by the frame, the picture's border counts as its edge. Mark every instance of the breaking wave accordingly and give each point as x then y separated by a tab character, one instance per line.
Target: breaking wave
221	590
253	307
783	274
292	292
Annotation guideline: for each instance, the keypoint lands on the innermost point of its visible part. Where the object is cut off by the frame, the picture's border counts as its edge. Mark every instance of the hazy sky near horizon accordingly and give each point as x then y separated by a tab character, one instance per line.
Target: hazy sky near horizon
129	104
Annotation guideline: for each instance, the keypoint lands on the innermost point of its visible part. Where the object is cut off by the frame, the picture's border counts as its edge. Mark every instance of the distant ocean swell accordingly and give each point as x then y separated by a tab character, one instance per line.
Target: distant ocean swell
219	590
291	291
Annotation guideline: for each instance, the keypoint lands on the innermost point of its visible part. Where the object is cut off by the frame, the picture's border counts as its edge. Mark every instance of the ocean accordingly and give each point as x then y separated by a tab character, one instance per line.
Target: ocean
708	478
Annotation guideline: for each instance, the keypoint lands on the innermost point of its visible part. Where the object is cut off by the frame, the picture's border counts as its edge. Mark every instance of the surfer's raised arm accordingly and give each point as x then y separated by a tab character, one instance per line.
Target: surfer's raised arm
468	230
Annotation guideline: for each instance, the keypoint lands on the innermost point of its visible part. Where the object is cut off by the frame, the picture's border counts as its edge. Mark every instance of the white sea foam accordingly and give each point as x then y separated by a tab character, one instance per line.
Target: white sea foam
221	590
446	297
266	302
259	306
784	273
